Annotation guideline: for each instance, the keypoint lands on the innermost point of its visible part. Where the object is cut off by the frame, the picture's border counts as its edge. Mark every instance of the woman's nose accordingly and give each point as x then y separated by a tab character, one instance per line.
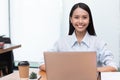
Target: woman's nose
80	20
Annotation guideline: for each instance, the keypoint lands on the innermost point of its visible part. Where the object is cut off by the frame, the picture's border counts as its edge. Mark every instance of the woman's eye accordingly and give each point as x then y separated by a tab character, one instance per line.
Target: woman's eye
84	17
76	17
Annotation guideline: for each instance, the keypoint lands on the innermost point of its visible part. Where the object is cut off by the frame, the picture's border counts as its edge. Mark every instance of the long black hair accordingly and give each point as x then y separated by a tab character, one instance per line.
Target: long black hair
90	27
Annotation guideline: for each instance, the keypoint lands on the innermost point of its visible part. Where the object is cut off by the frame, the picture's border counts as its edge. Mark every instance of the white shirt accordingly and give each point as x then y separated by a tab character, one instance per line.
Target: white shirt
89	43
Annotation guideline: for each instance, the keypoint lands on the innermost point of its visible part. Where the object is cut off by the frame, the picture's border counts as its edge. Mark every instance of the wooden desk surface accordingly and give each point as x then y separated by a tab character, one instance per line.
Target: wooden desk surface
15	75
9	47
104	75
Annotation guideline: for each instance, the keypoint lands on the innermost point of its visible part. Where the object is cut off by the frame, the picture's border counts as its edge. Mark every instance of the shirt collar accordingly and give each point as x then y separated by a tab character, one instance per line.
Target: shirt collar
85	40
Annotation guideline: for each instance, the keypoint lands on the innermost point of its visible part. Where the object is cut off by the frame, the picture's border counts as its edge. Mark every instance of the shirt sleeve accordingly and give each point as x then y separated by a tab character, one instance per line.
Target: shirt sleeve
53	49
106	56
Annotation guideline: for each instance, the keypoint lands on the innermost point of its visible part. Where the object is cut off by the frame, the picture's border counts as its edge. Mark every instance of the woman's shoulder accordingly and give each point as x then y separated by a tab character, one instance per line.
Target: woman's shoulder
99	41
97	38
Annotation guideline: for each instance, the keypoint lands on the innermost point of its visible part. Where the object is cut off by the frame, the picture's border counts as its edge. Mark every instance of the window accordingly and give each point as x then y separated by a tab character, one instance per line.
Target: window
4	18
35	24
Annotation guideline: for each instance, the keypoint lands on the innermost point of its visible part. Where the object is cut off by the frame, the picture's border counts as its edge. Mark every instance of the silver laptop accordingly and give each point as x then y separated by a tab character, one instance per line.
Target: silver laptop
70	65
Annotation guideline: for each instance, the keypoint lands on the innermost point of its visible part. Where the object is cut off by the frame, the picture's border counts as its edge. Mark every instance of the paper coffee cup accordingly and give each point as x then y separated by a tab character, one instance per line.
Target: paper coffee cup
23	68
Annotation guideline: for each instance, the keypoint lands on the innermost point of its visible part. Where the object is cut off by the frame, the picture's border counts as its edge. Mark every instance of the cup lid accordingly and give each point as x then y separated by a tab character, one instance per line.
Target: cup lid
23	63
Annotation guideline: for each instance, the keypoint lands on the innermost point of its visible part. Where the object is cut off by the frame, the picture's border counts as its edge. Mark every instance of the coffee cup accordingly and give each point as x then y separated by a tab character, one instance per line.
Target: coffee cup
23	67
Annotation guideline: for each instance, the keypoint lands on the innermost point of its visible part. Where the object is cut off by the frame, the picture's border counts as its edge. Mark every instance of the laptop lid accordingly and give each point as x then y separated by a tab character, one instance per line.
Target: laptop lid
70	65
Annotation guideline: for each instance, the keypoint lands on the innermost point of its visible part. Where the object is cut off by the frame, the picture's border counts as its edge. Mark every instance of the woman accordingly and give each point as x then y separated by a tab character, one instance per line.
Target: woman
82	37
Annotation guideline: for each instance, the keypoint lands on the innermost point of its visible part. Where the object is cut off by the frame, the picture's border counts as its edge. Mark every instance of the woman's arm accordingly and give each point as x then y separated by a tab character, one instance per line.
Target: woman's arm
105	58
42	67
106	69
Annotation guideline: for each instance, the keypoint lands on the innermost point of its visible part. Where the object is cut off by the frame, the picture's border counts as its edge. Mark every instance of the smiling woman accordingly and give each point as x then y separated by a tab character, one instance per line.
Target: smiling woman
82	38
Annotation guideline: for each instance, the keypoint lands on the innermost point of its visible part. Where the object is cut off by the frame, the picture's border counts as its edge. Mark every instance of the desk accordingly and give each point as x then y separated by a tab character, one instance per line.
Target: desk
43	74
15	74
9	47
6	55
104	75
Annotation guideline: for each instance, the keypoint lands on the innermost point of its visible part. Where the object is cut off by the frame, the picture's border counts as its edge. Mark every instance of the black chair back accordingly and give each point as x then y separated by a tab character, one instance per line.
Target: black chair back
8	56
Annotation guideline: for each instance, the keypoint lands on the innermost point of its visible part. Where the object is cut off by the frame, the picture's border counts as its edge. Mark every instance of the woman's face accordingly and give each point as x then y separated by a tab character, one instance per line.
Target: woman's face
80	19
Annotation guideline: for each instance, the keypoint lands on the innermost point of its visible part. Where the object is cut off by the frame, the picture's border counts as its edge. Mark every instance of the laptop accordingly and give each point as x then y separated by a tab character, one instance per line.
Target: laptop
70	65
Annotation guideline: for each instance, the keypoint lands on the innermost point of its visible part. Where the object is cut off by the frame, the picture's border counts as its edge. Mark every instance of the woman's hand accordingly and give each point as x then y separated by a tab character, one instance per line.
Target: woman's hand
42	67
106	69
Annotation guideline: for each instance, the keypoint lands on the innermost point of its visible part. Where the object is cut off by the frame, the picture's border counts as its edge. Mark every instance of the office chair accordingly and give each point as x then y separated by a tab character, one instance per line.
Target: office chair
3	68
7	59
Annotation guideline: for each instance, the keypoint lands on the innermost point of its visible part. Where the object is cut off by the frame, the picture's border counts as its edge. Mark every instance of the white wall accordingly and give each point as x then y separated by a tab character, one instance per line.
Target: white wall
106	18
